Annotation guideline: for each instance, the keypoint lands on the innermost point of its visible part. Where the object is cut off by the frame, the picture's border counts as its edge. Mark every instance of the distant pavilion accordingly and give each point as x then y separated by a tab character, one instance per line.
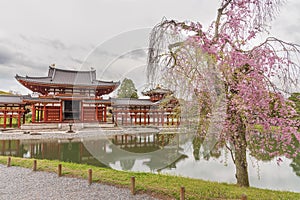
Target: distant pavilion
12	107
159	110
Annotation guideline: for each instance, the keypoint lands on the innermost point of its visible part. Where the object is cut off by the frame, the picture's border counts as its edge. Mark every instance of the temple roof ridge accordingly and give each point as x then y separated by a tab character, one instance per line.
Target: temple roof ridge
31	77
65	76
72	70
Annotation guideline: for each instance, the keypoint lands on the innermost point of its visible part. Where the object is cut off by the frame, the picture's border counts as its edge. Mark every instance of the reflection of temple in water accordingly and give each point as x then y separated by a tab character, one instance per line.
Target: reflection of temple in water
48	149
156	151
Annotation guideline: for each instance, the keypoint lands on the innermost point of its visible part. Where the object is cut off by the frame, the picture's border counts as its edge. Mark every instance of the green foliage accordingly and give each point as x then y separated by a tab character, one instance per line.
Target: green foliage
127	89
295	97
28	118
164	186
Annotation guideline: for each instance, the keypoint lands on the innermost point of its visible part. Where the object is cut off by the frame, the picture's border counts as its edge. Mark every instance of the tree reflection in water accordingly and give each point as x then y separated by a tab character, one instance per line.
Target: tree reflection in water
143	148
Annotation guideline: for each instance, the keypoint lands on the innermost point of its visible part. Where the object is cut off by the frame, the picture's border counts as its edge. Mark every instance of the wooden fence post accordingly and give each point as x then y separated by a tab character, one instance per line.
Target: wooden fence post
90	178
132	185
244	197
8	161
34	165
59	170
182	193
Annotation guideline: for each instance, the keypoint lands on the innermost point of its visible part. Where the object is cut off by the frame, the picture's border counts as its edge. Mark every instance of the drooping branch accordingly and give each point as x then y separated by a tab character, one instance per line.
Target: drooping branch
284	58
165	38
218	20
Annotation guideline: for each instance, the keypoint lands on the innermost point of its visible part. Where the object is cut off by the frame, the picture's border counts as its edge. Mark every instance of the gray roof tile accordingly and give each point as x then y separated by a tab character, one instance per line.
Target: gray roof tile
68	77
11	99
133	102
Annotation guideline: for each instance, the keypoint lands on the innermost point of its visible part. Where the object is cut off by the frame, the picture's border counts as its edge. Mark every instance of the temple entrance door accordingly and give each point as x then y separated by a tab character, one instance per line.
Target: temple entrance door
71	109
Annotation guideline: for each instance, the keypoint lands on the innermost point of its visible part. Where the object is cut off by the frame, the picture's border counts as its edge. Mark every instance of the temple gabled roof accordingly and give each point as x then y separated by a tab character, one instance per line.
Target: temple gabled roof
157	90
68	77
68	82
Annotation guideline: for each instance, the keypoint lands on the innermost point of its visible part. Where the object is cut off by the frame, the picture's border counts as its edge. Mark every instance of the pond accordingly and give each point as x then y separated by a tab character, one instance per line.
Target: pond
160	153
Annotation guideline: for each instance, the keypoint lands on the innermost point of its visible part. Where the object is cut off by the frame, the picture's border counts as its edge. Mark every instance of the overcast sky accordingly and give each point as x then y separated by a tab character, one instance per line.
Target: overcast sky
107	35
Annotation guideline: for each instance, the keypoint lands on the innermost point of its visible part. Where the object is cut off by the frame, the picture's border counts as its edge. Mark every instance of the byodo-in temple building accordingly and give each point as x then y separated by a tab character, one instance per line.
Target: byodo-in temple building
67	96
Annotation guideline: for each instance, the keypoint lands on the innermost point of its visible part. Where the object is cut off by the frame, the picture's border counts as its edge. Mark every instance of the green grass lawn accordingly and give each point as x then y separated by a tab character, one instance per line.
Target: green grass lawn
162	185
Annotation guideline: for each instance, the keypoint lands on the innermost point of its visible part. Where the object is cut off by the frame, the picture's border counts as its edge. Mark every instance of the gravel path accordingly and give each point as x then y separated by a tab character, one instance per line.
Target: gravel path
21	183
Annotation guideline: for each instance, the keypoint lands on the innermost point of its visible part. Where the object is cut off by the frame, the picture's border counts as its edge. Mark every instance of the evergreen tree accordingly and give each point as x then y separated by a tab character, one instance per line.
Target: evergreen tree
127	89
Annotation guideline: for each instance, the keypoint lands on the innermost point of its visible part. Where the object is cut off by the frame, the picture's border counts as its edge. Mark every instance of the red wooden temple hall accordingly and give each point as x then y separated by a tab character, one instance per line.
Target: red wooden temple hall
68	96
161	109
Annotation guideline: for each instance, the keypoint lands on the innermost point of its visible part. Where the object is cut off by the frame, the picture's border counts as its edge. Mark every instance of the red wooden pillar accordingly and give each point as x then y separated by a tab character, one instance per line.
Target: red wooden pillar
19	118
97	111
33	113
38	113
104	113
4	118
10	120
23	114
140	123
162	118
41	114
60	112
45	118
145	117
100	113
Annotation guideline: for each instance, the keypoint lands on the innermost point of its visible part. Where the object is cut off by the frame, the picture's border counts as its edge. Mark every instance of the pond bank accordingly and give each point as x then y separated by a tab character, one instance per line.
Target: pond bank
161	185
79	133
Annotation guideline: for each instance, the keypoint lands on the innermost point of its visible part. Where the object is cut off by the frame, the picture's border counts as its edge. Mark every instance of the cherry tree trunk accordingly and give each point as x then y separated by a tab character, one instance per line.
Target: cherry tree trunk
241	165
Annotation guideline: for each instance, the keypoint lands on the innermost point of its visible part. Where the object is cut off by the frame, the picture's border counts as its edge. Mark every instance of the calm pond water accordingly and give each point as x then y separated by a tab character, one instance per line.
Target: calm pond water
160	153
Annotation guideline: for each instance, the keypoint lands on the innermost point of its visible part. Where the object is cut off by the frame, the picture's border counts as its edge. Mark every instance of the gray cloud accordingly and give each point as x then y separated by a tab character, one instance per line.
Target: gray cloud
9	57
5	55
135	54
36	36
55	43
76	60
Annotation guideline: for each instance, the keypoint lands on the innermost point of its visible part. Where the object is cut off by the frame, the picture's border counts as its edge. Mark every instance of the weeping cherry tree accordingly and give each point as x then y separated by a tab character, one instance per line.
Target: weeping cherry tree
221	63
